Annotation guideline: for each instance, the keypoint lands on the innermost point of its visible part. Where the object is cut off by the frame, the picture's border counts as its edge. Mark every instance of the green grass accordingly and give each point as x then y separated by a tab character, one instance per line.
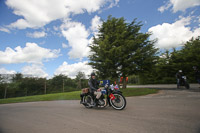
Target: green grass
48	97
128	92
75	95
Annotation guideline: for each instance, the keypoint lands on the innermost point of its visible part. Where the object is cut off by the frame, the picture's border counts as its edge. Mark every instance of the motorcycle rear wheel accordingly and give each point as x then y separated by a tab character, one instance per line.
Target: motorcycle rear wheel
187	86
88	101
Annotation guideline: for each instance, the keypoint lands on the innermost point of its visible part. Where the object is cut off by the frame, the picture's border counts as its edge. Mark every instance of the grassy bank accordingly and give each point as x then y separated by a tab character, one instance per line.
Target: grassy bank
128	92
75	95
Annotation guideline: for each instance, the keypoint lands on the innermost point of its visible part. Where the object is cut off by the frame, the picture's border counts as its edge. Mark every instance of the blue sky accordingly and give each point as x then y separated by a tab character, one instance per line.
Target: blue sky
45	38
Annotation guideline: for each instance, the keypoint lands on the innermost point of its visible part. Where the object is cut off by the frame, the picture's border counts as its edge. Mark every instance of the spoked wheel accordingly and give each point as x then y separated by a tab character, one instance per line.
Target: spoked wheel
119	102
88	101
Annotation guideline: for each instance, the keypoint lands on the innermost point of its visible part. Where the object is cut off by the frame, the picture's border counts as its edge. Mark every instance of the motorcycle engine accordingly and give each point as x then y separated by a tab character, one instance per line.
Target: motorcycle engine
101	102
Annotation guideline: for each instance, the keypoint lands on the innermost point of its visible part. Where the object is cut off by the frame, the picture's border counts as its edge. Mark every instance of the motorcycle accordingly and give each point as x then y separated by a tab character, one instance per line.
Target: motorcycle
111	96
183	82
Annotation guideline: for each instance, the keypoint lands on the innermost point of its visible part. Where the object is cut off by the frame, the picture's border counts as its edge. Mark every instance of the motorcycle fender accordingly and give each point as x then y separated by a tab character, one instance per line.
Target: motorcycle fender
111	96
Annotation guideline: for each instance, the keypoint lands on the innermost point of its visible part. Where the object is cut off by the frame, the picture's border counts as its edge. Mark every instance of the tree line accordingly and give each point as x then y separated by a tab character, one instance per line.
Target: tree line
28	86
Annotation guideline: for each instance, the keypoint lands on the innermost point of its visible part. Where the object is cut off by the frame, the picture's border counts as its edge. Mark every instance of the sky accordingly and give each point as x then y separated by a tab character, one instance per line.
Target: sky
44	38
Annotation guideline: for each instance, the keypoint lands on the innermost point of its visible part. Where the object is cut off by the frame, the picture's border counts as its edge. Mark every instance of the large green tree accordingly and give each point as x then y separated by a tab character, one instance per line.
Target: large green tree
182	59
187	57
121	49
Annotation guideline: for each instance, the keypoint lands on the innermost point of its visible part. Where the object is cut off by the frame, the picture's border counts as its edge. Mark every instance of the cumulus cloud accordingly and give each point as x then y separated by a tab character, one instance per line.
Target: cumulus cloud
95	24
31	53
36	70
71	70
179	5
5	71
77	35
36	34
35	14
173	35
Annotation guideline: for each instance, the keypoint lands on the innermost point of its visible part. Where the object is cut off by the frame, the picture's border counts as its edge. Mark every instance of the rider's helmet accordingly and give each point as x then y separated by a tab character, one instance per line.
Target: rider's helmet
194	67
180	71
93	74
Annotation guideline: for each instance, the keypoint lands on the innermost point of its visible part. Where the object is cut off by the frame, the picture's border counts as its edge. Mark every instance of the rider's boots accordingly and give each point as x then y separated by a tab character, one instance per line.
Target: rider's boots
81	98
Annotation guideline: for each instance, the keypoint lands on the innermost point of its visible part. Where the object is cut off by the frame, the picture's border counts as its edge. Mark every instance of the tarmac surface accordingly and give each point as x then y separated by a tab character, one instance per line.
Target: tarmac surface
193	87
169	111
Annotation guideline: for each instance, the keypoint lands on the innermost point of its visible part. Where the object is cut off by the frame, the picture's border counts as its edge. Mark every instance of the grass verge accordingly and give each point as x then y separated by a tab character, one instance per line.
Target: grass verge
75	95
128	92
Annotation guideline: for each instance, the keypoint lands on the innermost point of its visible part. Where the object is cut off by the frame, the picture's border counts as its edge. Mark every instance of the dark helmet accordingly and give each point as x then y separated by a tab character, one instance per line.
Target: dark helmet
93	74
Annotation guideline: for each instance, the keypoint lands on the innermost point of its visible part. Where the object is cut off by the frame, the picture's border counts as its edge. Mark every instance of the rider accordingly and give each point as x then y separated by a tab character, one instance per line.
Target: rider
94	87
179	75
197	74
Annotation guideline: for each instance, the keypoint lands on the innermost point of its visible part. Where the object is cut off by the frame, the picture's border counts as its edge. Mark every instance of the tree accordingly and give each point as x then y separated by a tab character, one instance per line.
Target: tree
121	49
164	71
188	57
18	77
61	83
79	80
80	75
57	82
184	59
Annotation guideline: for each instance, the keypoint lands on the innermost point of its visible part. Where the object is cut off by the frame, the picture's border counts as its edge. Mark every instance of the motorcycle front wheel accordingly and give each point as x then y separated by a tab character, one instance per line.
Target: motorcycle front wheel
119	102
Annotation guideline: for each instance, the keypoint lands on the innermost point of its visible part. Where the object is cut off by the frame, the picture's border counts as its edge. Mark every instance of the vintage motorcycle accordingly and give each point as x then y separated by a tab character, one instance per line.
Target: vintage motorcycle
111	96
183	82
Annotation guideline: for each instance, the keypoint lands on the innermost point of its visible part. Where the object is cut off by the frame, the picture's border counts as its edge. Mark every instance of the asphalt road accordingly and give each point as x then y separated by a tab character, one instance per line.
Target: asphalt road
193	87
169	111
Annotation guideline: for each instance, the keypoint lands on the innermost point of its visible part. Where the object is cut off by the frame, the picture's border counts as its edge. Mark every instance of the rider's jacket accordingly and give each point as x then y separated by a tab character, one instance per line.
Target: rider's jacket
93	84
179	75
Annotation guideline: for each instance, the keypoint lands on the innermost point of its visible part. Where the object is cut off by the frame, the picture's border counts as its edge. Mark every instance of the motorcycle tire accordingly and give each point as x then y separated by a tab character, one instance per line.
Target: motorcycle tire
115	103
187	86
88	101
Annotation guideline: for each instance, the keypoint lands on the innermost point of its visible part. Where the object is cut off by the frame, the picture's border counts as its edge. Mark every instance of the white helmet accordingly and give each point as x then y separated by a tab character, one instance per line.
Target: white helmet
180	71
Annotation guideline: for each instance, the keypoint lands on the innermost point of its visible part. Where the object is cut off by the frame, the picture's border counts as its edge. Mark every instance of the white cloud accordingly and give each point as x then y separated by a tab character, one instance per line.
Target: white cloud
36	70
113	3
32	53
36	14
71	70
173	35
77	35
36	34
95	24
199	19
64	45
179	5
165	7
5	71
4	29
